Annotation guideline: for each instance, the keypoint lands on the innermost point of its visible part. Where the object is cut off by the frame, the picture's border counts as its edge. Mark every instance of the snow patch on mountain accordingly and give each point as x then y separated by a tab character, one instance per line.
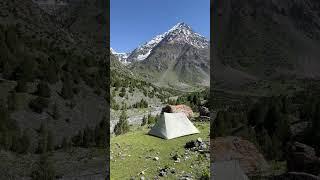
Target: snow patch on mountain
122	57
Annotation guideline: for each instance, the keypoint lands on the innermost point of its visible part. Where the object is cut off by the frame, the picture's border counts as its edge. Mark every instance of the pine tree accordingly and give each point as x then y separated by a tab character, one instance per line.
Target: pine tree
43	90
144	121
50	141
21	86
122	126
25	142
43	139
66	90
56	114
44	169
65	145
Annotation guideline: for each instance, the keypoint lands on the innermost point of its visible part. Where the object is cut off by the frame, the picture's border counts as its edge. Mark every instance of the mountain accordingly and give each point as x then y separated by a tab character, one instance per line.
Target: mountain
258	41
53	82
176	58
122	57
181	33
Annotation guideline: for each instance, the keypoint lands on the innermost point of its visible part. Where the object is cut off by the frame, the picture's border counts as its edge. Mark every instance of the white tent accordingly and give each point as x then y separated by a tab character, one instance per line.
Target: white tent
173	125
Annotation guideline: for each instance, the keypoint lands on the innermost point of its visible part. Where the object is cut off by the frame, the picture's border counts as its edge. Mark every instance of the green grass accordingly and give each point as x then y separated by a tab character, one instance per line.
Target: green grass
136	146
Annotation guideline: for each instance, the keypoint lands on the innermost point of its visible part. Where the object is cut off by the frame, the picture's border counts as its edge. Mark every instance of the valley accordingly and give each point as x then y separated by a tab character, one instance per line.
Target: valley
171	69
265	91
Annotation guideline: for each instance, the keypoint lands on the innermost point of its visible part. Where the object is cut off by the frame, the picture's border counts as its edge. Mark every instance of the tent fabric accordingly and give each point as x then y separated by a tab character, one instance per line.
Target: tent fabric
173	125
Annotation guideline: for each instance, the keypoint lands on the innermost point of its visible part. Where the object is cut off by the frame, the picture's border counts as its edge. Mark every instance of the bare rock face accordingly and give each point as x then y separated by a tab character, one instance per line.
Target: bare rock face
178	108
236	148
302	158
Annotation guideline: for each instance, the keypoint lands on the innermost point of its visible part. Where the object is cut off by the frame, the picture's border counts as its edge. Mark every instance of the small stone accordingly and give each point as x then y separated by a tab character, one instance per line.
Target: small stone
162	173
156	158
177	161
142	178
173	170
199	140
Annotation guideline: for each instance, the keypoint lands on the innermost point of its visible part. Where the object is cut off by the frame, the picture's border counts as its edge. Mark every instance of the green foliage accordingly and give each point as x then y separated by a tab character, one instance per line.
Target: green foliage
144	121
39	104
45	142
152	119
66	90
25	70
142	104
123	92
12	101
21	86
101	133
88	137
52	73
56	113
43	90
44	169
66	144
122	126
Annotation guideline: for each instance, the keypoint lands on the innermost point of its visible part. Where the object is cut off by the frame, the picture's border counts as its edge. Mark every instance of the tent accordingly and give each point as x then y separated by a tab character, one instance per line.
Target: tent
173	125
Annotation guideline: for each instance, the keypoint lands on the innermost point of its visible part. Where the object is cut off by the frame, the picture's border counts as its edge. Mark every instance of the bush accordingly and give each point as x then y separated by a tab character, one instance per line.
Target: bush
67	90
43	90
37	105
123	92
151	119
144	121
21	86
44	169
122	126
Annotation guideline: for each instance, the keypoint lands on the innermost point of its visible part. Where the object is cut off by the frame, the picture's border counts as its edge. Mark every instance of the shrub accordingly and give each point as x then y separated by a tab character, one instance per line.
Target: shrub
21	86
144	121
37	105
122	126
43	90
67	91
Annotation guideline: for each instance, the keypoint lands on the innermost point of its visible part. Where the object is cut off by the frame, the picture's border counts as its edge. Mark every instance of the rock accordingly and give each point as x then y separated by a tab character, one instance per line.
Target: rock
163	173
178	108
177	161
230	148
190	144
175	157
204	111
156	158
142	178
173	170
302	158
199	140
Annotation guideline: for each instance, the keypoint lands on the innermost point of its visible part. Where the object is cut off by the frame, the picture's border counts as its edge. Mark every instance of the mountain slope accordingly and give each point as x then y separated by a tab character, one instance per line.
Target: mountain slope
265	40
177	58
122	57
53	84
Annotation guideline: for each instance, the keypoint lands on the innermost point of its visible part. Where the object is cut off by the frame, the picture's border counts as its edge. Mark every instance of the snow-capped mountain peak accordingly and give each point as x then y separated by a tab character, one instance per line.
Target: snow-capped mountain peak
180	33
122	57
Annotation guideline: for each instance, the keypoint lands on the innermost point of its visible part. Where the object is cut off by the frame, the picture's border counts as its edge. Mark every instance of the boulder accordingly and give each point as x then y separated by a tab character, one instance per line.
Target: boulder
204	111
178	108
229	148
302	158
297	176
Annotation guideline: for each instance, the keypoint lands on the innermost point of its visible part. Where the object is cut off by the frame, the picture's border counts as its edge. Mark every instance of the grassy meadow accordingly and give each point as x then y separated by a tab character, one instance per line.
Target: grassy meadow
133	155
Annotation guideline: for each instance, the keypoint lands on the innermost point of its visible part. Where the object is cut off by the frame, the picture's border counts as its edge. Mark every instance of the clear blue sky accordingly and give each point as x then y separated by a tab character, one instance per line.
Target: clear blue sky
134	22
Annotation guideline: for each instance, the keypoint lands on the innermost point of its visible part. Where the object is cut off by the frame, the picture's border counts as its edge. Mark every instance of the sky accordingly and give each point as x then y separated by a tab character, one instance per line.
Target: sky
134	22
